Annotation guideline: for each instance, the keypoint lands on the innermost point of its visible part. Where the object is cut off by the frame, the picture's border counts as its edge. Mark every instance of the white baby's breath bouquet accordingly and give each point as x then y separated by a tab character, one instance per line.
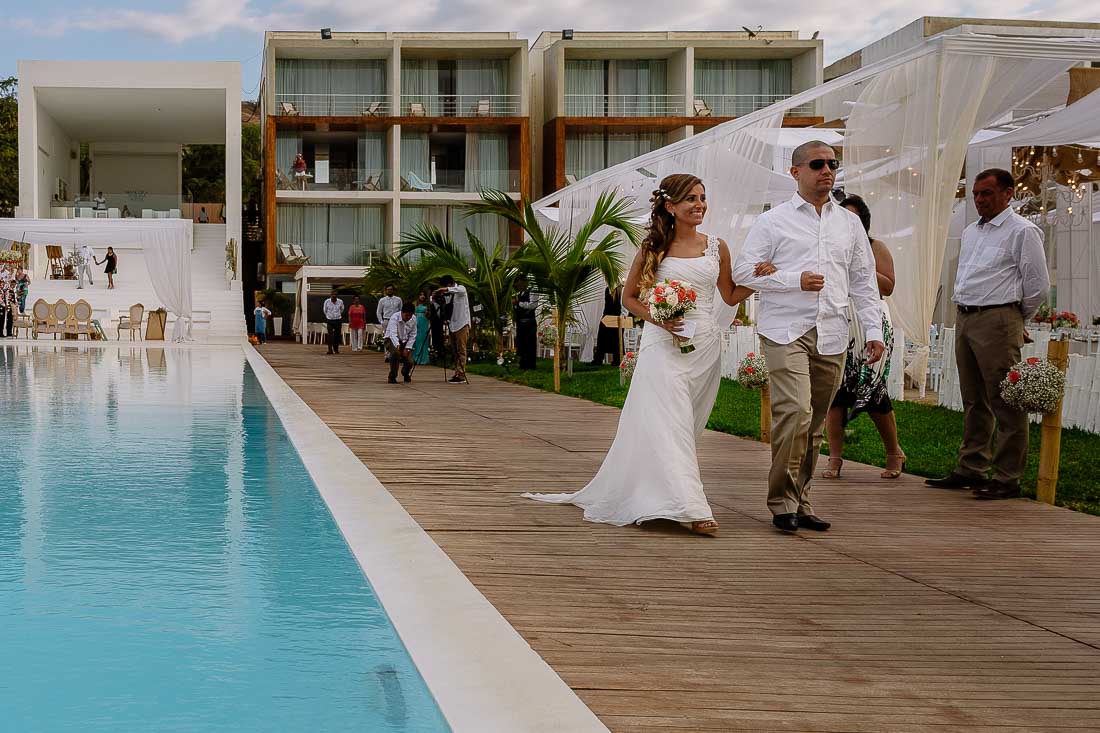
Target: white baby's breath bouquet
1034	385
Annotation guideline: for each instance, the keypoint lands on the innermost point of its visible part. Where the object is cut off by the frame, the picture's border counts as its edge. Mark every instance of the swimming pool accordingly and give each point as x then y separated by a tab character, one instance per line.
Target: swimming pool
167	564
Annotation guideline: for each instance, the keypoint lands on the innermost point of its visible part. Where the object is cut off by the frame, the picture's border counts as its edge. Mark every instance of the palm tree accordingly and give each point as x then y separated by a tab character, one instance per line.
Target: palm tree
490	279
406	277
567	270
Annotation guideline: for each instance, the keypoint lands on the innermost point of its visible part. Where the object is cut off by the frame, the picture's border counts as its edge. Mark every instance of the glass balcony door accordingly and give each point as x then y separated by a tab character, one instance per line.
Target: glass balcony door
329	234
331	87
734	87
334	161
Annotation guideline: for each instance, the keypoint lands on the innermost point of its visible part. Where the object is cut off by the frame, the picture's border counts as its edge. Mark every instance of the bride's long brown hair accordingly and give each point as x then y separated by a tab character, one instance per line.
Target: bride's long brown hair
661	228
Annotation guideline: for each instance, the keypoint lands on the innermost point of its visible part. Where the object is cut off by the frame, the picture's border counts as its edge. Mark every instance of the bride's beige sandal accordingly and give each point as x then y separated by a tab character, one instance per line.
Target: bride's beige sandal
894	471
705	526
833	471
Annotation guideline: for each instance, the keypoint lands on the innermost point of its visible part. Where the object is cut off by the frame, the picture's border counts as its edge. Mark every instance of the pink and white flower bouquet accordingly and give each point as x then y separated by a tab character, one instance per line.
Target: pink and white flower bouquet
668	300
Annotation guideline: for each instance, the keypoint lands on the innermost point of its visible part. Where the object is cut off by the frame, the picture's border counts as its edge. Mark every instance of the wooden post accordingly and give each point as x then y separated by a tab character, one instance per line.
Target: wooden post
765	414
1051	446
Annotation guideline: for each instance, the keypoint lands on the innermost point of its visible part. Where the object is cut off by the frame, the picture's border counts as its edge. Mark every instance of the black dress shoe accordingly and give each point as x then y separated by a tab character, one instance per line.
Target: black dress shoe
408	379
809	521
956	481
392	381
786	522
997	490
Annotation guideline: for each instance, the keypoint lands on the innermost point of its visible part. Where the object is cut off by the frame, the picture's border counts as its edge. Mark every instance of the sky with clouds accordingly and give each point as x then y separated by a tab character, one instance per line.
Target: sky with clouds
232	30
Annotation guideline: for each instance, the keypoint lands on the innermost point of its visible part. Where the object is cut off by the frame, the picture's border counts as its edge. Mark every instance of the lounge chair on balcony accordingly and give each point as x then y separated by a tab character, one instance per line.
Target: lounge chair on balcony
288	109
702	109
481	109
416	109
293	255
374	109
570	178
131	321
416	184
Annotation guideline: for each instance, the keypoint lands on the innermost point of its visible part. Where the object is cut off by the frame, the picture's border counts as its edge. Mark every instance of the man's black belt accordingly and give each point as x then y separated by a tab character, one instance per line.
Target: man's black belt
980	308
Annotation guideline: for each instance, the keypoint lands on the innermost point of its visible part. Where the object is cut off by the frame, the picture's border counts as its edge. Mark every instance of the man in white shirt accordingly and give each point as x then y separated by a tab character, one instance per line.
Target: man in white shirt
823	258
334	318
87	257
1001	281
388	304
399	339
458	322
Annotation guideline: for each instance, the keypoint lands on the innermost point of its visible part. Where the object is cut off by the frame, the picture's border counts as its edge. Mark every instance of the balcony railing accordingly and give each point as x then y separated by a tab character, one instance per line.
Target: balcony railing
329	253
460	105
126	205
624	105
452	180
332	105
736	105
338	179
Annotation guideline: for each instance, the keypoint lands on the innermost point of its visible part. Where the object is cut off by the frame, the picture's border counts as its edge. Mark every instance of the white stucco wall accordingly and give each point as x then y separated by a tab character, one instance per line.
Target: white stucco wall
53	160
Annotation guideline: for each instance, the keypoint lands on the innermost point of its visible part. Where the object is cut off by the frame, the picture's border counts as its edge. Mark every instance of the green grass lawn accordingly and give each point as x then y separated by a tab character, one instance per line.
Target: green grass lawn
930	435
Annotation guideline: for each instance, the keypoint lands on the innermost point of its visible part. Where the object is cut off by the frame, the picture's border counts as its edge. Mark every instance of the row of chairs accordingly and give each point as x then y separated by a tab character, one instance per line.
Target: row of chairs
318	332
75	319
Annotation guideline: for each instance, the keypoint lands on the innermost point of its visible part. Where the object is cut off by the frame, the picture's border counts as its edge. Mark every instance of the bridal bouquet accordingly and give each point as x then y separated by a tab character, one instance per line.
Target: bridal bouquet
1034	385
753	371
668	300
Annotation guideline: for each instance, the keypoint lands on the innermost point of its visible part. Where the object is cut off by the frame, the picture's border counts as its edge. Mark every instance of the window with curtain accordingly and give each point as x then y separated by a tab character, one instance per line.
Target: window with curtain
733	87
590	152
487	162
452	221
334	234
638	87
330	87
372	158
585	87
420	83
288	143
415	156
476	79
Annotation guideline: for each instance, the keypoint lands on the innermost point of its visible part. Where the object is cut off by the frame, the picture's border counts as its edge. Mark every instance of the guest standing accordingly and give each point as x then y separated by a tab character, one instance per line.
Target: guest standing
458	324
421	352
357	323
400	337
7	307
388	304
525	303
112	267
261	315
300	173
855	395
607	338
22	287
87	257
1001	281
334	317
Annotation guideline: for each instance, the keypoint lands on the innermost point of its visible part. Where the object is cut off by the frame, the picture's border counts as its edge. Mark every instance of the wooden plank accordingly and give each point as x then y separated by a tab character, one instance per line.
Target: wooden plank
921	610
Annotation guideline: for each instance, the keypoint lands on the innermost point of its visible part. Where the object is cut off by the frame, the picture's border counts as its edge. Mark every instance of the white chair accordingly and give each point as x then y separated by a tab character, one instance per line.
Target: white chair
373	109
174	214
702	109
570	178
146	213
114	213
481	109
345	332
87	213
416	109
288	109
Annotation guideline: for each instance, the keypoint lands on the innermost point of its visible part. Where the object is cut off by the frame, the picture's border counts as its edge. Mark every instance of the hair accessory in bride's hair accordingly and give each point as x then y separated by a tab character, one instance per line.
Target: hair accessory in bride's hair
660	193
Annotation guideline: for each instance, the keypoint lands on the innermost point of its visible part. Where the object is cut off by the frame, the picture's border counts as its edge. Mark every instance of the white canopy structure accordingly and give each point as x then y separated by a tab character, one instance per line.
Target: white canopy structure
909	119
165	245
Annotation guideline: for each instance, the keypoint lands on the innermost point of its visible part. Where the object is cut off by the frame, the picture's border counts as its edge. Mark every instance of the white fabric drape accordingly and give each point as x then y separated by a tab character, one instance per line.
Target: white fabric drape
415	154
585	87
487	161
911	117
372	158
1078	123
165	245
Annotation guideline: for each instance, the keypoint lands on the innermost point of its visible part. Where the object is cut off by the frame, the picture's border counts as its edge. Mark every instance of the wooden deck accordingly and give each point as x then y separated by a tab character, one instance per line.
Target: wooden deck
921	610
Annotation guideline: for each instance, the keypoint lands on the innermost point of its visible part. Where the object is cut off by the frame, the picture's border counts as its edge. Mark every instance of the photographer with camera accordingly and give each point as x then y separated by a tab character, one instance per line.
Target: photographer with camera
453	303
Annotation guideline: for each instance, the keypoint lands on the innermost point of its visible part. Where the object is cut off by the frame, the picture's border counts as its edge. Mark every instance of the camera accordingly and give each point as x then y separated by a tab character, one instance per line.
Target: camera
444	304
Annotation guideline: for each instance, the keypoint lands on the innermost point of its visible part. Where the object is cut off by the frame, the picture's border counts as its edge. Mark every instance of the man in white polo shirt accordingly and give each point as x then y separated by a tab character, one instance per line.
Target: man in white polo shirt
334	318
1001	281
823	257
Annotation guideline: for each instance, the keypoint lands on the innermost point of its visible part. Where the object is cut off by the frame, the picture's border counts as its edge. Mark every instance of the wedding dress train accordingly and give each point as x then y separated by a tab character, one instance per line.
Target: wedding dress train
651	470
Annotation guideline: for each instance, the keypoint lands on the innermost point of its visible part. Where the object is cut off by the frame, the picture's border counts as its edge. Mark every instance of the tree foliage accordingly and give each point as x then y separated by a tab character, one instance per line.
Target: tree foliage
9	146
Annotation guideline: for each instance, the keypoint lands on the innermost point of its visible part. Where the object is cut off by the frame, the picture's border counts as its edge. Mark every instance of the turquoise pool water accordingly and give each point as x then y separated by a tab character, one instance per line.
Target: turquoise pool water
166	563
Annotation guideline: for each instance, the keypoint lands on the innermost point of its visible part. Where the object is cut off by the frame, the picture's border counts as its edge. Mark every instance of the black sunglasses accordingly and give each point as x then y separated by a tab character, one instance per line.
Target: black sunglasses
818	163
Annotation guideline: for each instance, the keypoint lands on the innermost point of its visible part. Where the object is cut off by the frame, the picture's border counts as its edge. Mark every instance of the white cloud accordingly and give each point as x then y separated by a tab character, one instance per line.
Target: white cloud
842	30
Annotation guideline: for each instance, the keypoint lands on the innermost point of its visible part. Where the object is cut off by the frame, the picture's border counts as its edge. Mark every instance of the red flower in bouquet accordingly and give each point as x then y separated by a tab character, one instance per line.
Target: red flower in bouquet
1033	360
751	354
1014	376
749	370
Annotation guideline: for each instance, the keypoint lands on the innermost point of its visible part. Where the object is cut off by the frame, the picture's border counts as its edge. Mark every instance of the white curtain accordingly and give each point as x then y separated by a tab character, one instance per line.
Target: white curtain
487	162
168	260
638	86
352	232
1078	123
372	157
415	154
584	154
626	145
420	83
476	78
288	143
585	87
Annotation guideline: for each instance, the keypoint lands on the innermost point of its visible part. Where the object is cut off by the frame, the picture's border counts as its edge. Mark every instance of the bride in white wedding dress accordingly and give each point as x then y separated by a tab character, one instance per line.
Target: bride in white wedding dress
651	470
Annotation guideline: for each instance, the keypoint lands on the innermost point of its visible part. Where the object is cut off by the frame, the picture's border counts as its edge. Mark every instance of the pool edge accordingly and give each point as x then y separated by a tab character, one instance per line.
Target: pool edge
483	674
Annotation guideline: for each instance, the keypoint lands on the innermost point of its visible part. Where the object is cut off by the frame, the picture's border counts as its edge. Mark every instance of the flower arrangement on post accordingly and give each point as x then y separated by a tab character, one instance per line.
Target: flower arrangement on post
753	371
1034	385
668	300
548	333
626	368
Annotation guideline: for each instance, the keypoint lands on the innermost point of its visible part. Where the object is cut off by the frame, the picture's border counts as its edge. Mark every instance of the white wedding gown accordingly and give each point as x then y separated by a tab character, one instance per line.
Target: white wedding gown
651	470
